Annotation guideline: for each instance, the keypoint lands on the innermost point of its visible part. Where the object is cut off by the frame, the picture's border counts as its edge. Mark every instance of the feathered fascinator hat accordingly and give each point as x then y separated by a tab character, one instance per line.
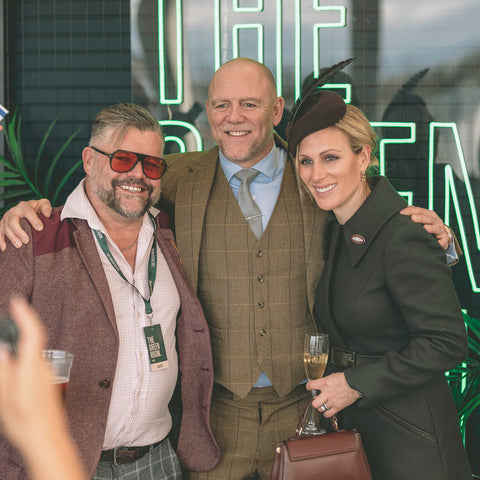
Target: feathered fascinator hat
315	109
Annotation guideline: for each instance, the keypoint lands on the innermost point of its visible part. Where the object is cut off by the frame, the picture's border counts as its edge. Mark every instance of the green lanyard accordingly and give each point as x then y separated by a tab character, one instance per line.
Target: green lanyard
152	266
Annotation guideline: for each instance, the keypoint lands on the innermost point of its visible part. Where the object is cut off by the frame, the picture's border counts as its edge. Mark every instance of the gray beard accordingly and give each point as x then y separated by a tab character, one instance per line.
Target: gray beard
109	198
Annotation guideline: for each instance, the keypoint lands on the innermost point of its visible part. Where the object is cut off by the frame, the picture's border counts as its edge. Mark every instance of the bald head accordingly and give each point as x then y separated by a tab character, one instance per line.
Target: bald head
242	108
244	64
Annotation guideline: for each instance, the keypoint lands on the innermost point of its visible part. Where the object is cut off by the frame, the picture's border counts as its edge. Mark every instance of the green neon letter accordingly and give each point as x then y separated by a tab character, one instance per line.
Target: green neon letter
237	8
451	193
316	27
260	39
412	136
191	128
221	34
162	54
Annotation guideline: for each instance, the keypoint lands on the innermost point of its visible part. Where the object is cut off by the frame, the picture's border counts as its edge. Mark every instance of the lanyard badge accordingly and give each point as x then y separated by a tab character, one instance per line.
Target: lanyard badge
156	347
153	333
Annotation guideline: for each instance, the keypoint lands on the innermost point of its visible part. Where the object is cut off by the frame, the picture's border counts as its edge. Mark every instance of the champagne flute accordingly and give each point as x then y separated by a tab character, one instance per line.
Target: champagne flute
315	359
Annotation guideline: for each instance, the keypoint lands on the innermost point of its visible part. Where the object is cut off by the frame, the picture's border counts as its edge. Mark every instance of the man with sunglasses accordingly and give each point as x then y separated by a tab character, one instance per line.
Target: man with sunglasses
105	276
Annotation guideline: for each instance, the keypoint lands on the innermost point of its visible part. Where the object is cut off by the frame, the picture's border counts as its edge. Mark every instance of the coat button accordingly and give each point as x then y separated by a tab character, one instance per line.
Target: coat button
104	383
260	304
262	332
259	253
260	278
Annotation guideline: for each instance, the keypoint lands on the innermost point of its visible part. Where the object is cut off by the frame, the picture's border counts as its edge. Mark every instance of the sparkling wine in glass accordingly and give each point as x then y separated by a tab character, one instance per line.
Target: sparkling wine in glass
315	357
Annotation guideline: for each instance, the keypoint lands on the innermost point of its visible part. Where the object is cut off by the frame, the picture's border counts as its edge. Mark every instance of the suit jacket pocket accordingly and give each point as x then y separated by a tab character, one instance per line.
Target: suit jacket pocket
405	424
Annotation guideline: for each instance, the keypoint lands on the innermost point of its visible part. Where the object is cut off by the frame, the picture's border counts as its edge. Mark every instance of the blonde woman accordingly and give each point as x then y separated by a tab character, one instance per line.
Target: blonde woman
386	300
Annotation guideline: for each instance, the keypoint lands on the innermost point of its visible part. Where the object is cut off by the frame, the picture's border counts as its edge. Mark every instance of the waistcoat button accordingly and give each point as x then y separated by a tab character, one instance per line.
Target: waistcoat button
262	332
260	278
261	304
104	383
259	253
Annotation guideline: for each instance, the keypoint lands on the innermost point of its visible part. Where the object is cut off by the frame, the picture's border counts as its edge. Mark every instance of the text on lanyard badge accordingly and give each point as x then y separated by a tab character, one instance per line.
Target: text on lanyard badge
156	347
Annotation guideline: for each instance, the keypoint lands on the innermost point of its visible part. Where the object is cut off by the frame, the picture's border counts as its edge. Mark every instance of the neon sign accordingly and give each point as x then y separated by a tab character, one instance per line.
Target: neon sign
338	11
450	190
229	36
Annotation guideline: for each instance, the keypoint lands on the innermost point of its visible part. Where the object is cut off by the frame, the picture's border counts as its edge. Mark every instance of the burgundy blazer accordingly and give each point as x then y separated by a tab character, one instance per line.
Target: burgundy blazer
59	271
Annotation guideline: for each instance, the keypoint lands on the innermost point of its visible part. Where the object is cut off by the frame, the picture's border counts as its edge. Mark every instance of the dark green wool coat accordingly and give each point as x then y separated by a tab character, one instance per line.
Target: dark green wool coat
390	294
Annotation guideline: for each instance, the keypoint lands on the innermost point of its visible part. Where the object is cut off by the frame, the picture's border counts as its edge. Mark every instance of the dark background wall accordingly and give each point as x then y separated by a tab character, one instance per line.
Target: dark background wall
65	57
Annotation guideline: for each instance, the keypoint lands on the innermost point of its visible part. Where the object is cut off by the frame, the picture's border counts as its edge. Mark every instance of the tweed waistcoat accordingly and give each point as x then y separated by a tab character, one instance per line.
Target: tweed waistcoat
254	291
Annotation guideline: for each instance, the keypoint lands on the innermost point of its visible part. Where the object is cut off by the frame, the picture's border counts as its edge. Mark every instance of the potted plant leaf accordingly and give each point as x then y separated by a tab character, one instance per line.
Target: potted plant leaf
21	183
464	380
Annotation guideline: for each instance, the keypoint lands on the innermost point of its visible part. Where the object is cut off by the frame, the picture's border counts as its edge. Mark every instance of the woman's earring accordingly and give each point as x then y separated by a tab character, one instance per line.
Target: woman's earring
363	176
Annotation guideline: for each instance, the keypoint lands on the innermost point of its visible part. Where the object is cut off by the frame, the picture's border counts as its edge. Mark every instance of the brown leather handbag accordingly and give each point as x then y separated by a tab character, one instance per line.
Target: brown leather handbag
332	456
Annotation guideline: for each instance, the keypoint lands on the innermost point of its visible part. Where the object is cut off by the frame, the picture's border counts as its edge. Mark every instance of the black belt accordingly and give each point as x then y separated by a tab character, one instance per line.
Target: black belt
346	358
122	455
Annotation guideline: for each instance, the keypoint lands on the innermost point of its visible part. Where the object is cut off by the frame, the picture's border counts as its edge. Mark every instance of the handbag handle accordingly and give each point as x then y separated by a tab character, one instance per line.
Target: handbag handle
301	420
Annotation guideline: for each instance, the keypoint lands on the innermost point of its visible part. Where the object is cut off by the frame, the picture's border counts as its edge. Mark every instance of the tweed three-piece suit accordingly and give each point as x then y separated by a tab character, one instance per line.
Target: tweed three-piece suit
257	294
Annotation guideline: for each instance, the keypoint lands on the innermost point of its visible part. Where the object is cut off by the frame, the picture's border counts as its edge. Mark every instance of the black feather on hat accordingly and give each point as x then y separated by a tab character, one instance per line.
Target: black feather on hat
315	109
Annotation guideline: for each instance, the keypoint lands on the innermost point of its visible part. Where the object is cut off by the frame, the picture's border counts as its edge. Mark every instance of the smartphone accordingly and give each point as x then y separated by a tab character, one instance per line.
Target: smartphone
8	332
3	112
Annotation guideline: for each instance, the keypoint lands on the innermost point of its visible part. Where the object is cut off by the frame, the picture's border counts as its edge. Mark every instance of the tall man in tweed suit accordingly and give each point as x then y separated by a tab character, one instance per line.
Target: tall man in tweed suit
253	291
257	293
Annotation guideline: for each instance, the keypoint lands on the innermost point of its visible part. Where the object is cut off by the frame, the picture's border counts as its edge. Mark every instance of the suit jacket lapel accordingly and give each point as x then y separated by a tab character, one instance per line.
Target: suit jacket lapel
313	223
191	200
331	234
192	196
88	252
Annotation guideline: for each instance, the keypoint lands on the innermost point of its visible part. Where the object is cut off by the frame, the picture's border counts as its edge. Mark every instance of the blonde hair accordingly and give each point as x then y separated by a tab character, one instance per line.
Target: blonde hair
356	127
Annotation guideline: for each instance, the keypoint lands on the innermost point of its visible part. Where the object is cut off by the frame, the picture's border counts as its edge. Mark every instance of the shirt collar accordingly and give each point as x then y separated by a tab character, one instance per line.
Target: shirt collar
268	166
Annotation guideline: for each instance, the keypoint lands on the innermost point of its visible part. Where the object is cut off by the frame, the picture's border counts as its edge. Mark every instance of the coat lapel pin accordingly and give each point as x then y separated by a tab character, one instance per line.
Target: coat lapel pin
357	239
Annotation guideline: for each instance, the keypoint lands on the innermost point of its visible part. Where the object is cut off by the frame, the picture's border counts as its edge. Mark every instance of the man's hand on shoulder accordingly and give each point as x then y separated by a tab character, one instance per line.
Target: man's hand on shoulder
432	223
10	228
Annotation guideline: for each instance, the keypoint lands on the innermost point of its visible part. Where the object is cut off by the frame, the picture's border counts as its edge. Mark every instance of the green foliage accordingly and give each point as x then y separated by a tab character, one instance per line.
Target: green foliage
18	181
464	380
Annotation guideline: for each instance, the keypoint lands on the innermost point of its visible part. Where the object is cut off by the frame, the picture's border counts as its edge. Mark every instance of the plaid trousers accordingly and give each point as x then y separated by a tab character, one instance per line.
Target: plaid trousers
247	430
160	463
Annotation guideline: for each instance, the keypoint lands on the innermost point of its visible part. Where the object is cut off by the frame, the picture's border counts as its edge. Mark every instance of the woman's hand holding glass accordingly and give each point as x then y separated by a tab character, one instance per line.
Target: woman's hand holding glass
334	392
